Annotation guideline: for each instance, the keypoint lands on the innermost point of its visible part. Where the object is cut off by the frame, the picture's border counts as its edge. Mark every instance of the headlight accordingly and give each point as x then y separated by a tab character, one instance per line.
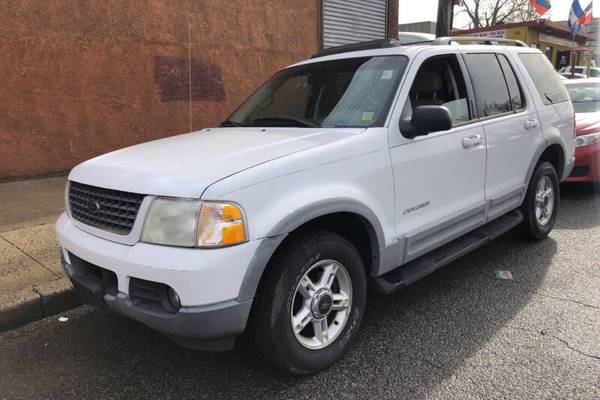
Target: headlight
586	140
220	224
193	223
172	222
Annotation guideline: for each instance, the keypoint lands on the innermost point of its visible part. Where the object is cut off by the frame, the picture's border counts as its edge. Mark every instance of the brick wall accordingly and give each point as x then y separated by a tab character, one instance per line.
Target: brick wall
80	78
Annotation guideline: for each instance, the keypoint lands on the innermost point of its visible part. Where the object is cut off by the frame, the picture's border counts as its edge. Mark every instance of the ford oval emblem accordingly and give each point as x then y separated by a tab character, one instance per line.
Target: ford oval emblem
93	206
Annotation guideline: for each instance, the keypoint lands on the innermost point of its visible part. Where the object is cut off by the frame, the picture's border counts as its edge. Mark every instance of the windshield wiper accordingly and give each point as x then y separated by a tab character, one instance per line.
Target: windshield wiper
549	98
229	122
276	120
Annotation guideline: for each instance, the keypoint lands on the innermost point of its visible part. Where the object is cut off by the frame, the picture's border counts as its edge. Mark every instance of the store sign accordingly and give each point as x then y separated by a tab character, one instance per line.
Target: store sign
498	34
557	41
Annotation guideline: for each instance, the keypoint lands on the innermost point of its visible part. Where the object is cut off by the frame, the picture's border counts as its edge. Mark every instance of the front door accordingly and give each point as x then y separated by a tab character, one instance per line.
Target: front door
439	178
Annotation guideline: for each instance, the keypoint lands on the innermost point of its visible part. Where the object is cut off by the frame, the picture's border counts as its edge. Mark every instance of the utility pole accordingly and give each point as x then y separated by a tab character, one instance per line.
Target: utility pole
444	18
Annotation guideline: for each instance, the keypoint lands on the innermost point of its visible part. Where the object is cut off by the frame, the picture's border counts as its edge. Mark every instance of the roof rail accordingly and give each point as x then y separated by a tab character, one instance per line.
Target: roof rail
479	40
387	43
370	45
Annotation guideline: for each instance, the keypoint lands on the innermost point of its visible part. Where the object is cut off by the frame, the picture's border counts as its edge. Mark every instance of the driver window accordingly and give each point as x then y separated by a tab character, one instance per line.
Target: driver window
440	82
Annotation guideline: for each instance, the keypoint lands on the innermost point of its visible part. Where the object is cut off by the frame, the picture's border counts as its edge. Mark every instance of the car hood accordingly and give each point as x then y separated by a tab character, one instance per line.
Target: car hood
586	123
185	165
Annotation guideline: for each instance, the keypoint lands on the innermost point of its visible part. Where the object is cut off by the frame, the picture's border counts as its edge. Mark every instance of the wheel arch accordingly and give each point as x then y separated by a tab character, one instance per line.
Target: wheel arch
555	155
350	219
552	152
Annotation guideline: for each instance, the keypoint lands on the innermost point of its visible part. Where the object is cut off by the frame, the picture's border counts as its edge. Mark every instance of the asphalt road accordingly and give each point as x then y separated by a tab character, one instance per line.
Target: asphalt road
458	334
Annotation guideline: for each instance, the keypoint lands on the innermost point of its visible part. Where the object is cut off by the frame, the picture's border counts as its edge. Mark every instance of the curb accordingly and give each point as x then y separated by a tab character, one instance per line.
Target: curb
39	302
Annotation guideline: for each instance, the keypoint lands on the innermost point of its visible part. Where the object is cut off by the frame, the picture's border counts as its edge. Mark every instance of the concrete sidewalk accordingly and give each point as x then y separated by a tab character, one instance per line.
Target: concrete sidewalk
32	282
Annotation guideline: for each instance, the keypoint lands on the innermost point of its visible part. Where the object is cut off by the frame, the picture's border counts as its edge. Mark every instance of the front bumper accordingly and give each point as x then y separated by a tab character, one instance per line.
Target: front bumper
213	327
207	281
587	164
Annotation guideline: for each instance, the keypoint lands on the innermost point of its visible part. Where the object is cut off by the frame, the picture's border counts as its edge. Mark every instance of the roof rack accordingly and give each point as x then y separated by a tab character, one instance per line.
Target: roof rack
479	40
370	45
387	43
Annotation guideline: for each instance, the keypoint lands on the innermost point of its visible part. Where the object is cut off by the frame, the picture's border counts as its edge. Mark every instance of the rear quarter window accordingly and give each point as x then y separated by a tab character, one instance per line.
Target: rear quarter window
545	79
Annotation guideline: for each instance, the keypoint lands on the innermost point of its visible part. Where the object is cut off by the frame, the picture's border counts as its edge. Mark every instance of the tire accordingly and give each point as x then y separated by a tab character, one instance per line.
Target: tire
540	214
309	254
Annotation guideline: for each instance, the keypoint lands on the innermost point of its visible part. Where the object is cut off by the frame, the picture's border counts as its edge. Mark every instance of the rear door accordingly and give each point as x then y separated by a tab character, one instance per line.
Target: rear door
511	125
552	102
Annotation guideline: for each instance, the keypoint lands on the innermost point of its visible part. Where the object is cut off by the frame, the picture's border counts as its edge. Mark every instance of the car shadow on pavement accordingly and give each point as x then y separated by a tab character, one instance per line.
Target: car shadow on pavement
410	342
586	198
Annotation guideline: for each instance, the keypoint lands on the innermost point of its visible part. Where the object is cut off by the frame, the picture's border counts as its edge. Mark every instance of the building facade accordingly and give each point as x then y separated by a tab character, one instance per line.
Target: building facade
553	38
421	27
80	79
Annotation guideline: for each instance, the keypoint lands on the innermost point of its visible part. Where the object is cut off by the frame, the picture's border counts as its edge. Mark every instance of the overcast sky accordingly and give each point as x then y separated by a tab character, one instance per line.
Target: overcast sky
427	10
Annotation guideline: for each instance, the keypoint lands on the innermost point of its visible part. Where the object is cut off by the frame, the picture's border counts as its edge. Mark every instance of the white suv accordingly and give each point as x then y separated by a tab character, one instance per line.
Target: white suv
372	163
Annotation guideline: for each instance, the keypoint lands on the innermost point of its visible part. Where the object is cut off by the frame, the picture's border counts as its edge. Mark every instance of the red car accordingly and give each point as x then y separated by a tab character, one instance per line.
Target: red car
585	95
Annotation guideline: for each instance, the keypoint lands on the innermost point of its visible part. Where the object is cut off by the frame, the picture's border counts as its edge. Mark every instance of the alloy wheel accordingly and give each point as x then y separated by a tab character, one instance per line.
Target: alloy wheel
544	201
321	304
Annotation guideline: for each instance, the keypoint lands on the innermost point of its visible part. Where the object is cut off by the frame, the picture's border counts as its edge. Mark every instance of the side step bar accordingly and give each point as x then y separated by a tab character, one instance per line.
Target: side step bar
419	268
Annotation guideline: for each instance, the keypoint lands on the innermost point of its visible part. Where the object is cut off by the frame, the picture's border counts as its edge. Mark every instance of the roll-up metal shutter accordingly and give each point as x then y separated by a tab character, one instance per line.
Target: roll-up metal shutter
353	21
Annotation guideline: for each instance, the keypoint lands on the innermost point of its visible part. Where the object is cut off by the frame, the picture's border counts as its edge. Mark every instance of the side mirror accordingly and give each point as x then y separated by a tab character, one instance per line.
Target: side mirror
425	120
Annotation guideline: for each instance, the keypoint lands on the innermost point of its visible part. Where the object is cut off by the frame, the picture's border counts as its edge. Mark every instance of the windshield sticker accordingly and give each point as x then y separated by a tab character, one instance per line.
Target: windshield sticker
387	74
367	116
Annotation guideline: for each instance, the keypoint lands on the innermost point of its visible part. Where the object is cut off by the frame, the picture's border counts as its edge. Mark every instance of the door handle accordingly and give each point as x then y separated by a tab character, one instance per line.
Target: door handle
531	123
471	141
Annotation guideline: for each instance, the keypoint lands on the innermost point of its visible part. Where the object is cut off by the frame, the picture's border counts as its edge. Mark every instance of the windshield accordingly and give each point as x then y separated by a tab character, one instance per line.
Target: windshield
585	98
354	92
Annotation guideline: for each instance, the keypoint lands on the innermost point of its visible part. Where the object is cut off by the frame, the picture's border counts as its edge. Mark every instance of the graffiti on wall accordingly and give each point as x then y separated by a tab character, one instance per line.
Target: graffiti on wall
172	76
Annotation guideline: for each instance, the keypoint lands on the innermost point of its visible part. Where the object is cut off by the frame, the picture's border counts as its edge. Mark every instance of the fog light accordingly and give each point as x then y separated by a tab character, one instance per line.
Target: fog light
173	298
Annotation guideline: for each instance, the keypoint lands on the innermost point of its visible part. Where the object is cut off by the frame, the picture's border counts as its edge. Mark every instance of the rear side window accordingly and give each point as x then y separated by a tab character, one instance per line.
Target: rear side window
546	81
516	97
488	81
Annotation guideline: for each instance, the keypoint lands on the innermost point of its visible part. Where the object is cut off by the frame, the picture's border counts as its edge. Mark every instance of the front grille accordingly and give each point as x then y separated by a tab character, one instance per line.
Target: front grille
111	210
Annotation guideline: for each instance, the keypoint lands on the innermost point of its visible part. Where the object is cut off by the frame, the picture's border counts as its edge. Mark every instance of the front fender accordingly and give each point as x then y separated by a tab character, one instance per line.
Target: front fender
296	219
354	176
320	208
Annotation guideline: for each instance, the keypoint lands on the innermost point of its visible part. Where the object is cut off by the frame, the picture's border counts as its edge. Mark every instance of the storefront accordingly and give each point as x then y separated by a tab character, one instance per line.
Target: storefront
553	38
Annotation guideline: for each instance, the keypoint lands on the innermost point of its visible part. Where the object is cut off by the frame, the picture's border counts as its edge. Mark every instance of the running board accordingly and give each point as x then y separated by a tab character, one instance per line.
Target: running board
421	267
